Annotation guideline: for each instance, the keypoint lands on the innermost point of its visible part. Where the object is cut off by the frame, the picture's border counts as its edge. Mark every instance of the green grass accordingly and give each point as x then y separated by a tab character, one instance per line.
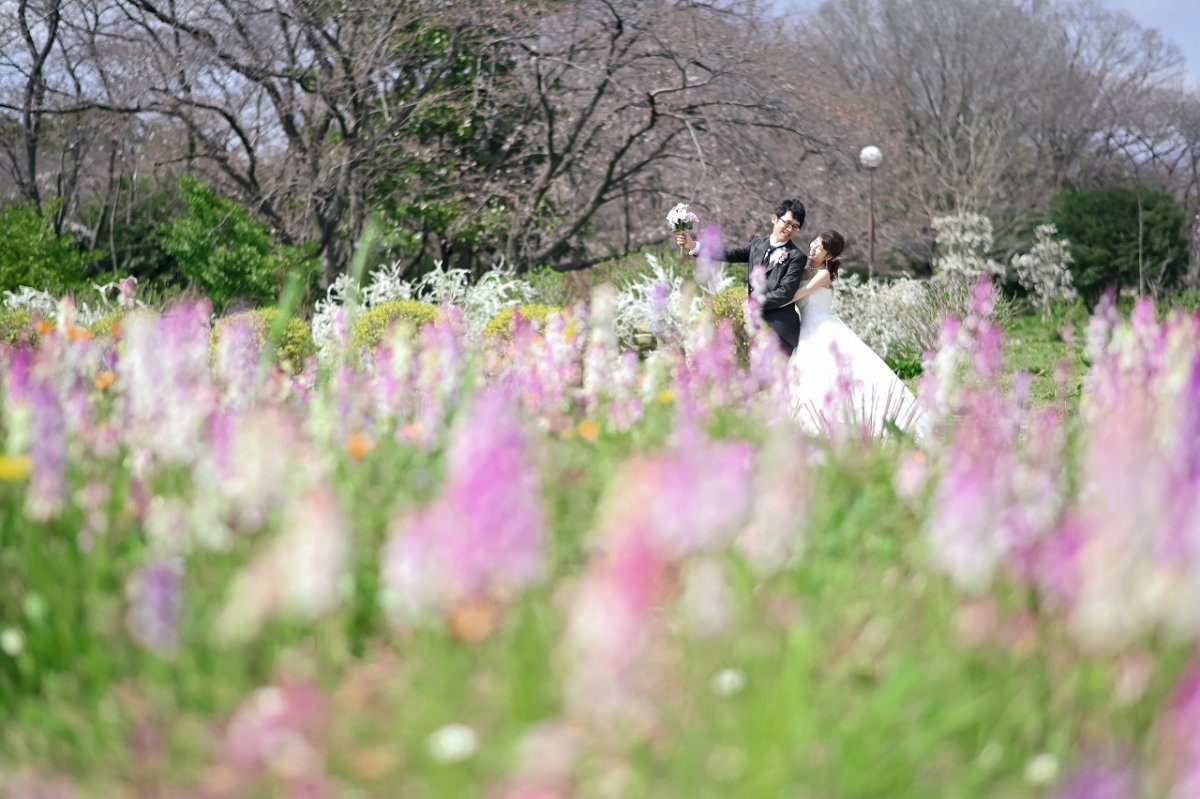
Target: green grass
1039	348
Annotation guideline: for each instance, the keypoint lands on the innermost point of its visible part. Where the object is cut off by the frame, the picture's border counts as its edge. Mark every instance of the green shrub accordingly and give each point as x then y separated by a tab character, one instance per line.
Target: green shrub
16	327
1113	229
32	254
1188	299
370	328
295	344
906	363
558	288
501	325
730	304
225	252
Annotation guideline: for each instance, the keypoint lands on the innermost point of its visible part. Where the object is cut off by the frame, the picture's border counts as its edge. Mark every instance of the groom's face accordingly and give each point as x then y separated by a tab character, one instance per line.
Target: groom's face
785	226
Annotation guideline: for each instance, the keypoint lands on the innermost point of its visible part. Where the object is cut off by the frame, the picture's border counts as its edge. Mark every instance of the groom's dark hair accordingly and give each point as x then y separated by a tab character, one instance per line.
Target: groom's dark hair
795	206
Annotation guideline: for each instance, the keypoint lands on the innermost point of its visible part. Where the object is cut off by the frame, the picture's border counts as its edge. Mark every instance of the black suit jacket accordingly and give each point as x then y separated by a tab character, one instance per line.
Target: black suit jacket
783	277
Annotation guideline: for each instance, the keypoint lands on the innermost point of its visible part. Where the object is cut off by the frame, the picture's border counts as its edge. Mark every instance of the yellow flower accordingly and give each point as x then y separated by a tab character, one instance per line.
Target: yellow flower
14	467
588	429
666	396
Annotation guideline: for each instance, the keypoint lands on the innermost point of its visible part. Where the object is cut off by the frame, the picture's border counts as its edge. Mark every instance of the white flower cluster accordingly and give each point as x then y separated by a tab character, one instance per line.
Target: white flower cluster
657	303
1044	271
495	290
88	309
963	242
681	218
875	310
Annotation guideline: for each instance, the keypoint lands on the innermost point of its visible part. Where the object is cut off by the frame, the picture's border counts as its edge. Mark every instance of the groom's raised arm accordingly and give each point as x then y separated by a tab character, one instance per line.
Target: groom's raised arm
782	294
733	255
725	255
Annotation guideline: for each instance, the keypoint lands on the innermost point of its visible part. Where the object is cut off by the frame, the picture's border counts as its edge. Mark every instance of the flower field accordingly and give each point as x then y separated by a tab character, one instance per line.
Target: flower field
544	565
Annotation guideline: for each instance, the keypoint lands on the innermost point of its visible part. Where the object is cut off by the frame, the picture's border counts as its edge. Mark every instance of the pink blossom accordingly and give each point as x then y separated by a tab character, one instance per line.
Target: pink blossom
1100	780
483	536
277	729
1181	729
164	382
610	626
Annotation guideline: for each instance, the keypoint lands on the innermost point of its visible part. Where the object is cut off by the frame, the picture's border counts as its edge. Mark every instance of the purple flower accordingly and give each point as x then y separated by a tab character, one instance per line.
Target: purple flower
660	310
708	270
48	449
1100	780
128	291
239	351
155	593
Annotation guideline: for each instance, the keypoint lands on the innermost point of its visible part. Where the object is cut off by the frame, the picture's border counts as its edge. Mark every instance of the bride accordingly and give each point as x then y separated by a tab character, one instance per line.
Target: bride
834	378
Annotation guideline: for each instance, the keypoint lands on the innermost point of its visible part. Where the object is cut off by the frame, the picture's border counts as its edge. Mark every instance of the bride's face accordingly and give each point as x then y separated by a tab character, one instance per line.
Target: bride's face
816	252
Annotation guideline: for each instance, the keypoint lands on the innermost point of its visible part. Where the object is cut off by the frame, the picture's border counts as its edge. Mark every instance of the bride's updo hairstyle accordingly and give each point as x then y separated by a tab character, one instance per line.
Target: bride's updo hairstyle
833	244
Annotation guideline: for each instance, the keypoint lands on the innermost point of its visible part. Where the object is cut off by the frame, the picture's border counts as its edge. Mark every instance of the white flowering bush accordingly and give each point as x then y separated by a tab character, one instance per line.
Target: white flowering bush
495	290
962	246
873	309
658	303
1044	271
87	307
921	322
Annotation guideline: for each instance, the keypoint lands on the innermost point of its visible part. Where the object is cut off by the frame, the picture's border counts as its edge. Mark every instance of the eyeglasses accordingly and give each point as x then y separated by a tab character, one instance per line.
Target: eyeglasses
788	224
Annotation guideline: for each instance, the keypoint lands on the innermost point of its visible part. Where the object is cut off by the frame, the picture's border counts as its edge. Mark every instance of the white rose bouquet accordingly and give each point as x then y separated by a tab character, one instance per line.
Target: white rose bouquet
681	218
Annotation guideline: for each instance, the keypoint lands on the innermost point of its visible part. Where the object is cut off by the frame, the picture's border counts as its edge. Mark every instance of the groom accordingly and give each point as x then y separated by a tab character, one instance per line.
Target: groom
784	263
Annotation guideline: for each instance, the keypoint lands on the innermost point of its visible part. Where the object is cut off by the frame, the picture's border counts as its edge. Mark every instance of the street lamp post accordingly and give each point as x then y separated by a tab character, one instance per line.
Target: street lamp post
870	157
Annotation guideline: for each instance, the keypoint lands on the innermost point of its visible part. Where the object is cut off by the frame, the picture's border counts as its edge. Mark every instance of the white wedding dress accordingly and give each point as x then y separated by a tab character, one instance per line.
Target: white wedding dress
835	380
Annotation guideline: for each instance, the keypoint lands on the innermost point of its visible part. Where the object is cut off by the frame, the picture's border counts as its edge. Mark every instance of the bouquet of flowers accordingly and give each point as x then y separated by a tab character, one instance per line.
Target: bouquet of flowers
681	218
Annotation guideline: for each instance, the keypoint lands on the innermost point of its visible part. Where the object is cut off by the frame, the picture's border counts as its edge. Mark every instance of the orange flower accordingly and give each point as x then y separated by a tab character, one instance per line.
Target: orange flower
472	622
588	429
77	333
358	445
374	762
105	379
117	328
43	327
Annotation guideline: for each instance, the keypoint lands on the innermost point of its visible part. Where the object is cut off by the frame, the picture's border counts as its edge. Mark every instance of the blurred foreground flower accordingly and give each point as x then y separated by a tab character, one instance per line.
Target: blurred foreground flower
483	536
453	743
277	730
156	604
14	468
299	572
659	511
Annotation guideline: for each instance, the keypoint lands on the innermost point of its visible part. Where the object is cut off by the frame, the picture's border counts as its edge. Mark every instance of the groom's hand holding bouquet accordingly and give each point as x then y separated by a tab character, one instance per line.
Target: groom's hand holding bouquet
683	221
